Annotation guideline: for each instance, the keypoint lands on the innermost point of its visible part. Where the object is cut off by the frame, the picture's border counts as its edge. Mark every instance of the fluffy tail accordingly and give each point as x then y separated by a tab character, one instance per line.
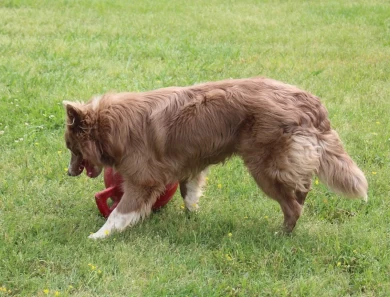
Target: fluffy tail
338	171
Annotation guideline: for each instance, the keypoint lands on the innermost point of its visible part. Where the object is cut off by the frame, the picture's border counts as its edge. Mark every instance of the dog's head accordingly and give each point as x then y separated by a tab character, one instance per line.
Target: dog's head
81	137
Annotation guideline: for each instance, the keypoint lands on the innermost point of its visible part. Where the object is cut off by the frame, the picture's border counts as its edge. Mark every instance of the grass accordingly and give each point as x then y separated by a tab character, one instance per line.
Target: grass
56	50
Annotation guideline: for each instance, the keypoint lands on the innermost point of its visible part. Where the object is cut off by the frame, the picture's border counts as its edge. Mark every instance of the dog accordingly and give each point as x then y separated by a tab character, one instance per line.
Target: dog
282	133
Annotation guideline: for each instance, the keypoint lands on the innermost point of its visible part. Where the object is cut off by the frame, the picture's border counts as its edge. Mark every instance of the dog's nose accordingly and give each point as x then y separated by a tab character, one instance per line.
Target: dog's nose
70	174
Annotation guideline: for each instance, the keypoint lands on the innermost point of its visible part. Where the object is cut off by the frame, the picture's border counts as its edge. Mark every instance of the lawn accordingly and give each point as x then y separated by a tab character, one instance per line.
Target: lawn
52	51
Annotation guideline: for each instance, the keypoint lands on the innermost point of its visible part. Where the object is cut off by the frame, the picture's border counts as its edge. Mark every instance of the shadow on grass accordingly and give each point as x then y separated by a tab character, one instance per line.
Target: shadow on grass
207	230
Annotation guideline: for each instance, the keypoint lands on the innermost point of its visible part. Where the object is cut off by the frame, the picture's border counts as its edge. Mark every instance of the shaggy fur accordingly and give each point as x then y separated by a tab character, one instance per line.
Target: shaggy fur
154	138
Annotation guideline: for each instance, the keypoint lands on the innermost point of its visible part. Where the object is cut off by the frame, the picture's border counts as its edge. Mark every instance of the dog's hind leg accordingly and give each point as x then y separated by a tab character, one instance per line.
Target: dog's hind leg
283	193
284	171
287	199
301	195
136	204
191	190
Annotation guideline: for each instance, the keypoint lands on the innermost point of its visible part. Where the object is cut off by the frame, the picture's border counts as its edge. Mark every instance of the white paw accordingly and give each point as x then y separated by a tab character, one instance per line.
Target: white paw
116	222
192	206
99	234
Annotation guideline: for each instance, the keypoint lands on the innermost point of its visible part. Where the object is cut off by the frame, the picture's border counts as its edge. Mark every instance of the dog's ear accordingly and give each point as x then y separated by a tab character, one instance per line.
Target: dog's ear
74	113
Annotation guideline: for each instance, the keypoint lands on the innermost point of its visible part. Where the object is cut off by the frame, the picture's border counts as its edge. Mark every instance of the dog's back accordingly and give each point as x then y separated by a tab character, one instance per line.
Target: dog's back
204	124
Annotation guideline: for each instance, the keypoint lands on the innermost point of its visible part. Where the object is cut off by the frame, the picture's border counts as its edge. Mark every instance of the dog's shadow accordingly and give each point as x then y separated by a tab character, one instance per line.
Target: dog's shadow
208	231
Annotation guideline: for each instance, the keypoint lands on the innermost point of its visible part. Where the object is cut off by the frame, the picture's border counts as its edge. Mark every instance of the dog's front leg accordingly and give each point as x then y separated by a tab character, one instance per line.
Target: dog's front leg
136	204
191	190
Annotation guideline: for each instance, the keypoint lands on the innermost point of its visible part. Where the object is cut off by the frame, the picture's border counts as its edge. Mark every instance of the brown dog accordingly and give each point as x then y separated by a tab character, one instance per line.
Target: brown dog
154	138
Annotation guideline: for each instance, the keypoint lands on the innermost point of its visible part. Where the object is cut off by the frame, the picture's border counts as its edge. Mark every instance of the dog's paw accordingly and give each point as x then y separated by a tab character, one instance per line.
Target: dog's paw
99	234
192	207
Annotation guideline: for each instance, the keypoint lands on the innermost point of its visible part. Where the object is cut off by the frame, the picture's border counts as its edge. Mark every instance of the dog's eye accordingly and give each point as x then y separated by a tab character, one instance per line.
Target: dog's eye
68	144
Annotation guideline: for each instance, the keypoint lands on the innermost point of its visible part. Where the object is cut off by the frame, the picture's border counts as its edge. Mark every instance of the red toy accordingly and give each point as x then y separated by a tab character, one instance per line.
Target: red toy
113	190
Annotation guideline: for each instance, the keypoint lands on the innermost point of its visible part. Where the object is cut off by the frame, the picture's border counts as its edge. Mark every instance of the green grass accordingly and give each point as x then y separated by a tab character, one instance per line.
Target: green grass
68	49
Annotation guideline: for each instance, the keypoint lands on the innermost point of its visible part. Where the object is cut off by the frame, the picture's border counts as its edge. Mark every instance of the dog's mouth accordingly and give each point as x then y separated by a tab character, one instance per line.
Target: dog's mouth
77	166
91	170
